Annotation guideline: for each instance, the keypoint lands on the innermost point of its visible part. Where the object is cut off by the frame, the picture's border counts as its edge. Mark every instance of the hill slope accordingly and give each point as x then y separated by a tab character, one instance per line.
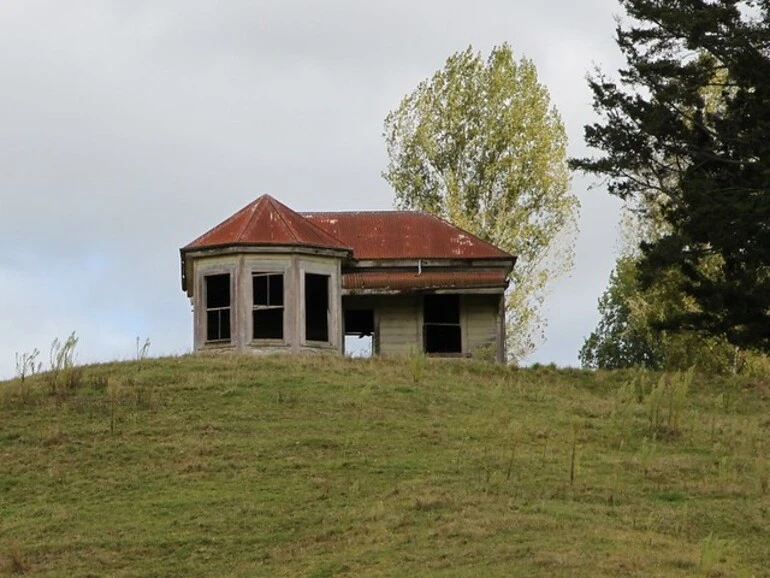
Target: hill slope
238	466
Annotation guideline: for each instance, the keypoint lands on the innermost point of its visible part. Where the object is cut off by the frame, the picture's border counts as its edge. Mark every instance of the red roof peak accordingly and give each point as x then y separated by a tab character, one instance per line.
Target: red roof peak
266	221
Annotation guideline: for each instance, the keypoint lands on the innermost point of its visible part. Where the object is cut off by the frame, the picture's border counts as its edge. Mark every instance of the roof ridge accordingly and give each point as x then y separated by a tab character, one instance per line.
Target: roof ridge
360	211
324	231
277	210
253	205
321	231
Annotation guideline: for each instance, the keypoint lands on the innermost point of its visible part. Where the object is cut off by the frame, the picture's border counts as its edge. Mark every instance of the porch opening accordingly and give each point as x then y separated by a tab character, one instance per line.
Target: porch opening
359	332
267	309
441	330
361	346
217	288
316	307
359	322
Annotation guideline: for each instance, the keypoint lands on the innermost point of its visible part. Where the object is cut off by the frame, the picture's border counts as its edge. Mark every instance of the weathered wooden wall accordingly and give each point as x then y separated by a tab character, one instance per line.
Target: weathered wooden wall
293	267
398	317
480	329
398	323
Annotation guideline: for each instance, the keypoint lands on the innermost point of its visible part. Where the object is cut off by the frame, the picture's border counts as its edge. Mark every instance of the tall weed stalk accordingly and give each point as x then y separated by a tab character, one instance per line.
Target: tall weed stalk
63	375
666	403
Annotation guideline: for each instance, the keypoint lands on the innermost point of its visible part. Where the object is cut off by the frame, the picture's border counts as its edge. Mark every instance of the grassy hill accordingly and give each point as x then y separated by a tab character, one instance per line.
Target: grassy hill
235	466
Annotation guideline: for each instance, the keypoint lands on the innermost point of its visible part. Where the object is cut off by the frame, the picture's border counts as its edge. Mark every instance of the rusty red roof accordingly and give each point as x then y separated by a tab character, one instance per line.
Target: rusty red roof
411	280
266	221
375	235
403	235
368	234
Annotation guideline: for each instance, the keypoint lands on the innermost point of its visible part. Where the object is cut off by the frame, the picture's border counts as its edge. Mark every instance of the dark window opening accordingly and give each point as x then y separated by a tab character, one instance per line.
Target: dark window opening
217	307
442	309
316	307
359	322
267	313
268	289
441	324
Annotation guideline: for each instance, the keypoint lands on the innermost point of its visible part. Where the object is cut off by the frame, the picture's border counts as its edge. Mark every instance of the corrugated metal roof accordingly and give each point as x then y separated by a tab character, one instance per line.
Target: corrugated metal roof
370	235
266	221
409	281
375	235
403	235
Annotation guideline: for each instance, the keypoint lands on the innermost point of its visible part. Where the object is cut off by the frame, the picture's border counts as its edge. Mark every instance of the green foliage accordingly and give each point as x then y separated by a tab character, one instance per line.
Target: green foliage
666	402
417	361
481	145
713	551
686	130
485	352
664	398
630	333
623	337
755	365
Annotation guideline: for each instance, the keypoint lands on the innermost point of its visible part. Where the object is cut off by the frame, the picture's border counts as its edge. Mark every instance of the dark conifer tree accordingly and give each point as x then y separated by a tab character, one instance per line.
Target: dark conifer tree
688	120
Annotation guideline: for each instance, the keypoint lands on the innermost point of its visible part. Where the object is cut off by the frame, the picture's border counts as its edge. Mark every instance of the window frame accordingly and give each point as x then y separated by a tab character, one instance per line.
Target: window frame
329	277
220	310
258	272
455	325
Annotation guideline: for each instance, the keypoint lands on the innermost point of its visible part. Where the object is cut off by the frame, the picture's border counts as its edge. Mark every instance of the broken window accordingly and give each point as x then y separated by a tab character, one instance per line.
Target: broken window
359	322
217	288
267	311
316	307
441	324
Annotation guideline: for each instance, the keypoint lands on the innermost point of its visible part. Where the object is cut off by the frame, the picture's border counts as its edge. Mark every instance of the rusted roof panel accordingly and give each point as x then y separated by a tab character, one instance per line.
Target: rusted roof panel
403	235
266	221
410	281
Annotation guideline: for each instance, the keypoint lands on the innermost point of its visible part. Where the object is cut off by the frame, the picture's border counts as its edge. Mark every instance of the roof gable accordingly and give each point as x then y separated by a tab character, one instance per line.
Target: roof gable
266	221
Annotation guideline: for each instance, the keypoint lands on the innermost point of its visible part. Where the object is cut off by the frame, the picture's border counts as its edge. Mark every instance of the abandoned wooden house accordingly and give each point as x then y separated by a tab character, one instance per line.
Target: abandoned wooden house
271	279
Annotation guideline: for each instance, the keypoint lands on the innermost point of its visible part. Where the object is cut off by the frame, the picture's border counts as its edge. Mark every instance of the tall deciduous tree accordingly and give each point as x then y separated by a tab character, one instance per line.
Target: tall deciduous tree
481	145
689	120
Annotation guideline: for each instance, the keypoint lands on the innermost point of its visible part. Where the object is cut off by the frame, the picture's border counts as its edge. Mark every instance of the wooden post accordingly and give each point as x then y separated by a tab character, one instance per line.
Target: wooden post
501	353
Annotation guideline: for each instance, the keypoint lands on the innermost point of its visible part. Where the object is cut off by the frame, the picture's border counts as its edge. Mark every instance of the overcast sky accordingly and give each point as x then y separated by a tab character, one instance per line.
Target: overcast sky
128	128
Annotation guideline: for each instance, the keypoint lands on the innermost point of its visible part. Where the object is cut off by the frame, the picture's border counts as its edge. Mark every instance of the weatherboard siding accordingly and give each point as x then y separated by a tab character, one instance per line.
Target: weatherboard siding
481	328
240	267
398	318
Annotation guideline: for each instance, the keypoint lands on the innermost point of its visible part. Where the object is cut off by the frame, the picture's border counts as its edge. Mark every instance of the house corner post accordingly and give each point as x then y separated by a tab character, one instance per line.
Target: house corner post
296	293
501	349
242	304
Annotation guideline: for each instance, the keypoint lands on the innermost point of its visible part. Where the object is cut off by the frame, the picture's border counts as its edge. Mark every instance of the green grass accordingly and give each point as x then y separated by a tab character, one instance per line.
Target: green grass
233	466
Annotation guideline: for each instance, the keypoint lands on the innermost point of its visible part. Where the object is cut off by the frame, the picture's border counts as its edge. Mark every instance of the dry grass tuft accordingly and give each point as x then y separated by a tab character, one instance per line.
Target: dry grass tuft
16	562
